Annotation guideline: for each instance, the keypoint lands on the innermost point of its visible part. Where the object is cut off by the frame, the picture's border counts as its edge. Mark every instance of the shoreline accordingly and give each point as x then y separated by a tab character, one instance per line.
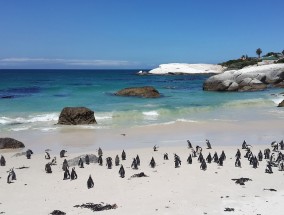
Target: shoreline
220	133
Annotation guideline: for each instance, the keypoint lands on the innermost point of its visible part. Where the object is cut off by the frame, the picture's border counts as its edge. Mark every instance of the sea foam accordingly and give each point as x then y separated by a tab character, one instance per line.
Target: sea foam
29	119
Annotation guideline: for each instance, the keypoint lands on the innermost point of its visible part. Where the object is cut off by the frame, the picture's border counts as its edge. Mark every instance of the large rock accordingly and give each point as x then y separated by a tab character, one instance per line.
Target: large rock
76	116
247	79
281	104
10	143
145	92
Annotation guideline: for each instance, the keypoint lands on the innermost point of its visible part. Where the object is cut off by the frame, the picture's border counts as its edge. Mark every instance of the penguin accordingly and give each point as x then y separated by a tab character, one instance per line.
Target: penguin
281	165
223	155
87	159
255	162
166	157
198	149
66	174
48	168
65	165
238	162
152	163
244	145
116	160
194	153
73	174
123	155
203	165
238	154
155	148
215	157
266	153
81	163
29	153
109	162
189	145
138	160
220	161
2	161
281	144
260	156
100	160
62	153
53	162
134	164
200	158
90	182
208	144
13	174
209	158
9	178
100	152
189	159
47	155
177	161
121	171
268	168
274	145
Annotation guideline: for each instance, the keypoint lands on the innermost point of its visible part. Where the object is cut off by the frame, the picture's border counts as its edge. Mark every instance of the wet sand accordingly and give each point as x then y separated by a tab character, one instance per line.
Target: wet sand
220	133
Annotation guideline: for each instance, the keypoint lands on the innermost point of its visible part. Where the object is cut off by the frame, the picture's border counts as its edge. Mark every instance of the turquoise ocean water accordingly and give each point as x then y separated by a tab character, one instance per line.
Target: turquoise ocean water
33	99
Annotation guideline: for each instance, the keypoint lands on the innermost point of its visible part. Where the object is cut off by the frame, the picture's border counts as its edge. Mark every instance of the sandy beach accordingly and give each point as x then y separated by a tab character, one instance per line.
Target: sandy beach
148	78
167	190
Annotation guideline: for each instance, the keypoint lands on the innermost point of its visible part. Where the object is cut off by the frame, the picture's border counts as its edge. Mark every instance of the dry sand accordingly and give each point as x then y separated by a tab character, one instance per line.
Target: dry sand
167	190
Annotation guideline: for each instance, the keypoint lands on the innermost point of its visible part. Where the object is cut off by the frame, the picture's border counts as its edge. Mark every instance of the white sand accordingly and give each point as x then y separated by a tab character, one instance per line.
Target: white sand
186	68
167	190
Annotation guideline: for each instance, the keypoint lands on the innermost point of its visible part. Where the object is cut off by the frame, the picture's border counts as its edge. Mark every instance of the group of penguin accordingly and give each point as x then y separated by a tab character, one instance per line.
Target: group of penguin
274	159
274	156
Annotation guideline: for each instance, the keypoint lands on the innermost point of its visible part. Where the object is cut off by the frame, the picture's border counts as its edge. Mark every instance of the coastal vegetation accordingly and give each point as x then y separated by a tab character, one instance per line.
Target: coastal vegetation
239	63
244	60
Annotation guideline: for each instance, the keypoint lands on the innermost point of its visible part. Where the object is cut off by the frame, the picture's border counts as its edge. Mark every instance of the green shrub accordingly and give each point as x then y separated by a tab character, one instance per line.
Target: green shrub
239	63
280	61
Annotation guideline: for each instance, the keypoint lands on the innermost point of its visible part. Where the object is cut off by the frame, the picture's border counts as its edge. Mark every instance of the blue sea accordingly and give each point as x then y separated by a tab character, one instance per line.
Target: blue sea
33	99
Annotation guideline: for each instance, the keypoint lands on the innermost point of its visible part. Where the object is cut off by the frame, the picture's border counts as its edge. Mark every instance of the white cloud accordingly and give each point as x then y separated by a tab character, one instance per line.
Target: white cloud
71	62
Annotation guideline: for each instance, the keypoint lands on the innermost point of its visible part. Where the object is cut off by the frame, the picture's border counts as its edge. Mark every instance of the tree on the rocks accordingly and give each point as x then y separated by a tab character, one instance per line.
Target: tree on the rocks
258	52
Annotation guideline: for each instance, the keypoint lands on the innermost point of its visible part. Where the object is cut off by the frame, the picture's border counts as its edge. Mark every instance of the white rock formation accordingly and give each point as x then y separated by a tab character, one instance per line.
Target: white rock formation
247	79
186	68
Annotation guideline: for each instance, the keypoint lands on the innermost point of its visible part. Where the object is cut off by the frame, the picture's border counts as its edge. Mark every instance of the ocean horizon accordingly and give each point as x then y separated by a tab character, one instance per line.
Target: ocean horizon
34	98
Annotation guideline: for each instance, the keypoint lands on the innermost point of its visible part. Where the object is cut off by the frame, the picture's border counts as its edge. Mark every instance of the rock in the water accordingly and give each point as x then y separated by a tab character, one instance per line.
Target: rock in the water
145	92
281	104
247	79
10	143
76	116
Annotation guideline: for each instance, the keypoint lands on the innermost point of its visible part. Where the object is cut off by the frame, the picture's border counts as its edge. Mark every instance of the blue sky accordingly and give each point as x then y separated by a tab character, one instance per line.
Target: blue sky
135	34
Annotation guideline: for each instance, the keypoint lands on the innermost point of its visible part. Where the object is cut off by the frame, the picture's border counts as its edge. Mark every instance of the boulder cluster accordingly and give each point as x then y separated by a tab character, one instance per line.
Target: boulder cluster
247	79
